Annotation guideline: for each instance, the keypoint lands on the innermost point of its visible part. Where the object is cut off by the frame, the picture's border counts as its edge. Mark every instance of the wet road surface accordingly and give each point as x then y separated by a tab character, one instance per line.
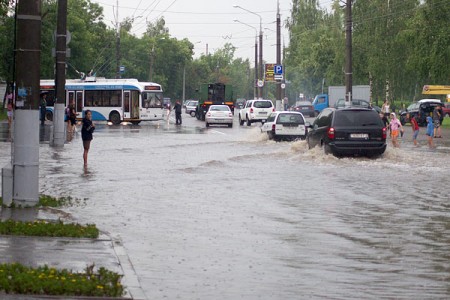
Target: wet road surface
223	213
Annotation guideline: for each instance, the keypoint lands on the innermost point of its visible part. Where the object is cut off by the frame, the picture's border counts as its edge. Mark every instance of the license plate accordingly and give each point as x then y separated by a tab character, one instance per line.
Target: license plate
359	136
263	113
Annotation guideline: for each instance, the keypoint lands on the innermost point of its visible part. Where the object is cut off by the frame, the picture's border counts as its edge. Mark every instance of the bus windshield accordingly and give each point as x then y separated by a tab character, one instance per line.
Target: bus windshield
152	99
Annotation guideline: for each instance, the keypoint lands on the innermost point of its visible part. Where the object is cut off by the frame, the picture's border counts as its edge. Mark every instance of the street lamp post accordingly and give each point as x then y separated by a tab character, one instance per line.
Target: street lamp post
261	70
255	85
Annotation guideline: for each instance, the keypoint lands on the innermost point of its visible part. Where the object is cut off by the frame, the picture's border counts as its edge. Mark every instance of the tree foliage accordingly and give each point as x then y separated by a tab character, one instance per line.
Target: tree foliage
404	43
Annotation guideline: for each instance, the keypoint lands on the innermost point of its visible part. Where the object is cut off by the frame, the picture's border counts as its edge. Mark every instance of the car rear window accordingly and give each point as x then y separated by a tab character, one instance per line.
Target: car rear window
220	108
262	104
357	118
290	119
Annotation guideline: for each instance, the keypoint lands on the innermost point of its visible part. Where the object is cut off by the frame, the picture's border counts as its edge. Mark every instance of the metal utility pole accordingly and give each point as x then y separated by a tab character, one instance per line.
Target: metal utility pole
255	93
60	79
255	86
25	157
279	96
261	69
348	53
117	42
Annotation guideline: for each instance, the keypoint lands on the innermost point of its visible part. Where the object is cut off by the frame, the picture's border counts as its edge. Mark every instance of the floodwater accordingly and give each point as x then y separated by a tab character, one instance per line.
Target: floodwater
224	213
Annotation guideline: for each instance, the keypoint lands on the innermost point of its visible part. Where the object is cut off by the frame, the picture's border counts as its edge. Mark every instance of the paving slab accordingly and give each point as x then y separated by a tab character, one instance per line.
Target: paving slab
66	253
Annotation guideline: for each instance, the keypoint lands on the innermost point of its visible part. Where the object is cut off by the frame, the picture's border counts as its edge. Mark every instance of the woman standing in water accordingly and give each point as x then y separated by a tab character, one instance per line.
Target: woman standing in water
86	134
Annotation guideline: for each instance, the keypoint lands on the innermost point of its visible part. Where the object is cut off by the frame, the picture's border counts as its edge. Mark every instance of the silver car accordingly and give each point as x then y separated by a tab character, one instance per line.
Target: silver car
191	106
219	114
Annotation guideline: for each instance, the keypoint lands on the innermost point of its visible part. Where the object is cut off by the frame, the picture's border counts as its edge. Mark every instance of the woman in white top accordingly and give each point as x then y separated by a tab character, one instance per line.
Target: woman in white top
385	108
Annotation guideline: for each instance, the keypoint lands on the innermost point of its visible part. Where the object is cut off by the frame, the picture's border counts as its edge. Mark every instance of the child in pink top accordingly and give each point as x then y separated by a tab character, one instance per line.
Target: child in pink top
395	126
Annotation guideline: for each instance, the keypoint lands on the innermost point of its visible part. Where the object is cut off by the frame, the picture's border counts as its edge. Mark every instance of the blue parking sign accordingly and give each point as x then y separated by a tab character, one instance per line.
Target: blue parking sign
278	69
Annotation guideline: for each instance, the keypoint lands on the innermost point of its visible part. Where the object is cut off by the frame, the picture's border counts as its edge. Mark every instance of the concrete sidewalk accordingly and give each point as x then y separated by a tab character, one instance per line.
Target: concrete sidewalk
66	253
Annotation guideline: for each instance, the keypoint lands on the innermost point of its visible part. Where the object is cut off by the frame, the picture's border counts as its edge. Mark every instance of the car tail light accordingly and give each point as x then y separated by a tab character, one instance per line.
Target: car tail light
251	110
208	114
384	134
330	133
230	114
273	127
273	109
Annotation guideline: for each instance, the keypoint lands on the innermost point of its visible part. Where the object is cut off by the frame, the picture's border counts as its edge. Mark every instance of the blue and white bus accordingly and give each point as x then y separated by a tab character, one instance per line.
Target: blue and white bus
112	100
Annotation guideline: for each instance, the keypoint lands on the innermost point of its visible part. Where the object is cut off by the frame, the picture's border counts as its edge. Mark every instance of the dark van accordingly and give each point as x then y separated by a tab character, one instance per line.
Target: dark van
348	131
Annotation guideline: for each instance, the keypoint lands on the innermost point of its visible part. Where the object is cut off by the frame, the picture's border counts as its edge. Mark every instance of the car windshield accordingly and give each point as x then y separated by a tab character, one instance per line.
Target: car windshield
290	119
412	106
357	118
262	104
303	103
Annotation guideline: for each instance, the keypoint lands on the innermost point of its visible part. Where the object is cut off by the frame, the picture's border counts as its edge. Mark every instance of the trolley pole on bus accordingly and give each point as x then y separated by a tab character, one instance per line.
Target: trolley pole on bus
60	79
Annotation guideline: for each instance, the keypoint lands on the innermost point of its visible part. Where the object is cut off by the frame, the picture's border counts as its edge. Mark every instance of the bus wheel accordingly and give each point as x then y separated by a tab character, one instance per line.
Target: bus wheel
49	115
114	117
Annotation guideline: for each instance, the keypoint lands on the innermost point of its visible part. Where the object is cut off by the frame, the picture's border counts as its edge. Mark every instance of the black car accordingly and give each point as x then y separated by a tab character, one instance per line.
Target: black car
421	110
348	131
305	107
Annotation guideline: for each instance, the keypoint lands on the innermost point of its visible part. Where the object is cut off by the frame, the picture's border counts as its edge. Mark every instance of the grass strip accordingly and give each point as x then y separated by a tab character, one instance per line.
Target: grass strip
50	229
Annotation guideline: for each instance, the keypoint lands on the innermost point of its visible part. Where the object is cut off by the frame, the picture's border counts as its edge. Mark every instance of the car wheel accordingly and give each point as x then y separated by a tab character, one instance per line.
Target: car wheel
309	143
241	122
269	135
230	125
192	113
49	115
326	149
249	123
207	124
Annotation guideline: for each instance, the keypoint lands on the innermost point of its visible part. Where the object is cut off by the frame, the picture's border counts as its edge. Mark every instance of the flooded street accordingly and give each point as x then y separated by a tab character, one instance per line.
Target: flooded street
224	213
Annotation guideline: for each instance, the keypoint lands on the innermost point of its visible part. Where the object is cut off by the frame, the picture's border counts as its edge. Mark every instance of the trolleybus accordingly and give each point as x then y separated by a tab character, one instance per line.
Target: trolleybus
113	100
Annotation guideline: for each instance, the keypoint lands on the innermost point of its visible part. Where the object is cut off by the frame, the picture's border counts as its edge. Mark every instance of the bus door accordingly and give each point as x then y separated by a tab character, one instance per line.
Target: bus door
127	105
79	104
134	104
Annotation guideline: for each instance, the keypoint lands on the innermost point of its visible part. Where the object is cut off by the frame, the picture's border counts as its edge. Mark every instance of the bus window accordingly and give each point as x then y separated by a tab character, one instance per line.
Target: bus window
116	98
151	100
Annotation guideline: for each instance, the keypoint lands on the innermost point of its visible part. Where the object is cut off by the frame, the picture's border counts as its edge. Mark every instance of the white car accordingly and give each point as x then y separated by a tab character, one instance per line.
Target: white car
285	125
219	114
255	111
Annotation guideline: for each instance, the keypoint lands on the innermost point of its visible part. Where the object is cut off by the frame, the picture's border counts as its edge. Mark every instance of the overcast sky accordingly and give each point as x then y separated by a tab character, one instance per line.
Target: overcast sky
209	24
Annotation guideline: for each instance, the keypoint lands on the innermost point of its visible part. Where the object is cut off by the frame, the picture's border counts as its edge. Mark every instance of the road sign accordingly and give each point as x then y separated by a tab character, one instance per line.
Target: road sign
260	83
278	69
269	72
278	77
